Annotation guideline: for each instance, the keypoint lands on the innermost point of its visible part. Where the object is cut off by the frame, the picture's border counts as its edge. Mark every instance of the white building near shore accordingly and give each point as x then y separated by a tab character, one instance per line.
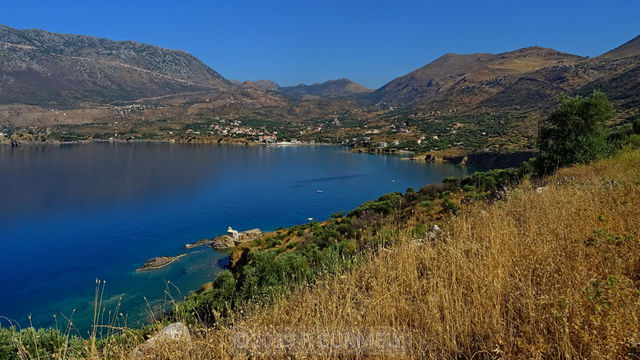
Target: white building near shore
233	233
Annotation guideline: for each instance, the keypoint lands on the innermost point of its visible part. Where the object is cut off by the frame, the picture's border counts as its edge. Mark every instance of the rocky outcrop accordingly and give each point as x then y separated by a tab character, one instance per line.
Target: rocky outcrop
496	160
230	241
201	242
484	159
434	234
159	262
223	242
172	333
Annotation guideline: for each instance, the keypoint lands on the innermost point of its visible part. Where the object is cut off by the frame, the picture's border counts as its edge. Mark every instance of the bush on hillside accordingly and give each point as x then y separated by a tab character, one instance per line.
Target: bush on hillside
575	132
384	205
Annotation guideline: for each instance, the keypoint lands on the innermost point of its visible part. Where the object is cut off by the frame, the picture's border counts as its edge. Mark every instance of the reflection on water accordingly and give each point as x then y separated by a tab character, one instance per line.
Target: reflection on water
74	213
65	176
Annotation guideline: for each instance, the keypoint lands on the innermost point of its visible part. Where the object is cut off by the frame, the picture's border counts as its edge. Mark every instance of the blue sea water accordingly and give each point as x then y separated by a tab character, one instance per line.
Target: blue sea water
72	214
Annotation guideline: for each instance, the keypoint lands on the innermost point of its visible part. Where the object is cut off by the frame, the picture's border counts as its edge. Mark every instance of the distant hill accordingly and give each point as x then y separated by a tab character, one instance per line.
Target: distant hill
264	85
52	70
330	89
468	79
528	78
327	89
39	67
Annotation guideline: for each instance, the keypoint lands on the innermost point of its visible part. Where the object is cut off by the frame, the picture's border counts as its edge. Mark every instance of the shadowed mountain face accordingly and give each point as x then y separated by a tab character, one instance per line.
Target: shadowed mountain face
41	67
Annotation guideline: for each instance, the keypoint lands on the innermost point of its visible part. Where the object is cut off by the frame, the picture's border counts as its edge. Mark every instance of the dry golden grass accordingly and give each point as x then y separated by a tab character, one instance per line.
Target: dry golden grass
525	278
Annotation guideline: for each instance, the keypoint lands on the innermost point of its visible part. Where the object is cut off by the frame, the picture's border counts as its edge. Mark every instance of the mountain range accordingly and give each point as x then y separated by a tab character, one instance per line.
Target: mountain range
531	77
327	90
77	71
41	67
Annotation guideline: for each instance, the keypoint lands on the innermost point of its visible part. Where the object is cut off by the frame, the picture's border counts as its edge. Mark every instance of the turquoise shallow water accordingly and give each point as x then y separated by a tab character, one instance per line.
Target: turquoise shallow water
74	213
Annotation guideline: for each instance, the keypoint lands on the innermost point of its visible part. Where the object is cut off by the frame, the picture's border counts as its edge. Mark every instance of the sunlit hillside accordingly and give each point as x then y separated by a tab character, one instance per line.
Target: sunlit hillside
551	272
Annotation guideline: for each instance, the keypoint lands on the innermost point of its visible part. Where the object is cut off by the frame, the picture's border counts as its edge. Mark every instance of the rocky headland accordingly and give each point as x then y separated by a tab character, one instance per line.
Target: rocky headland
160	262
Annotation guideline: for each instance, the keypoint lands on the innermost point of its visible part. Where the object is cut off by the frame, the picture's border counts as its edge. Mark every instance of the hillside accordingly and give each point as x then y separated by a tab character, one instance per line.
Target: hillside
525	79
264	85
467	80
327	89
39	67
459	102
549	272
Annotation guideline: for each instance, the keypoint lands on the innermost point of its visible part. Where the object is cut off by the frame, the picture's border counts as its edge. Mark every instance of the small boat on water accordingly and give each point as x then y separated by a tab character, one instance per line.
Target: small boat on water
319	191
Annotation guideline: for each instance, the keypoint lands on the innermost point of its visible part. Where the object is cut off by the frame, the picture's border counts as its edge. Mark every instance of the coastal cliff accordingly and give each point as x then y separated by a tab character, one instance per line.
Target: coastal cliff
482	159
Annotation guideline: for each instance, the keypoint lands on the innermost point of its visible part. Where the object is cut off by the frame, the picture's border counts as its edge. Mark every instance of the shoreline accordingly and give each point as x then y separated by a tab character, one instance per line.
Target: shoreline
159	262
11	143
481	159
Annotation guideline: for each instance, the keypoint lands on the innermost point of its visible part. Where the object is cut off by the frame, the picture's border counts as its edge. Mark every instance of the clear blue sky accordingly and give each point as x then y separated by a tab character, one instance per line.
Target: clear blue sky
370	42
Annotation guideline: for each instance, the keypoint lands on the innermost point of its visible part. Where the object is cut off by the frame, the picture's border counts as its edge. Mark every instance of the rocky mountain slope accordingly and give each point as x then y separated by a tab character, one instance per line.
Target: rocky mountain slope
622	78
42	71
468	79
528	78
38	67
264	85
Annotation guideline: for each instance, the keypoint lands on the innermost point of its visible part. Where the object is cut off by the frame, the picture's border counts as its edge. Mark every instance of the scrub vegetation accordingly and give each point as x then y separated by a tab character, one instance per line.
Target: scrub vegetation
539	261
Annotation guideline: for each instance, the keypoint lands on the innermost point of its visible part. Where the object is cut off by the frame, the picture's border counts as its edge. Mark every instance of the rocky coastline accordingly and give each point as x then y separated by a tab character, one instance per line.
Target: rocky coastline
234	238
477	159
229	240
160	262
201	242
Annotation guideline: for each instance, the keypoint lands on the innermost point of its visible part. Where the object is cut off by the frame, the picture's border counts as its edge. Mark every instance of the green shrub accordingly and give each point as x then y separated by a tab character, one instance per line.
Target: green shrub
426	204
621	132
634	141
384	205
452	181
444	194
419	231
449	206
292	244
7	345
37	344
469	188
575	132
